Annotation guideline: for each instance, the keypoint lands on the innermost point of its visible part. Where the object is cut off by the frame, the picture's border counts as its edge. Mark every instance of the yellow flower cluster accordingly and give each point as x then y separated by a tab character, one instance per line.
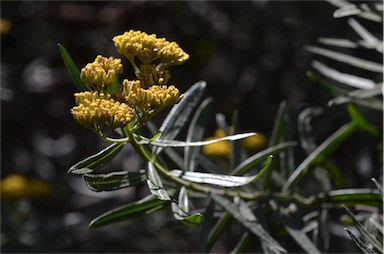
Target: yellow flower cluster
148	48
135	100
102	72
150	76
97	109
149	101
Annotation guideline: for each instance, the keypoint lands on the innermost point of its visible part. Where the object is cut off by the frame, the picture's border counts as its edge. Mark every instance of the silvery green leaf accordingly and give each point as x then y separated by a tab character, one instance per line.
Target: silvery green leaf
155	184
344	58
176	143
219	179
344	78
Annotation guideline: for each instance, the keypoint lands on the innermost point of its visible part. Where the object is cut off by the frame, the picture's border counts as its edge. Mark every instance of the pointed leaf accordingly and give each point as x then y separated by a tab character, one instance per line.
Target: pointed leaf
177	143
72	69
220	180
362	122
344	78
155	184
364	232
350	197
145	206
344	58
114	180
245	216
97	160
181	210
321	151
362	246
260	156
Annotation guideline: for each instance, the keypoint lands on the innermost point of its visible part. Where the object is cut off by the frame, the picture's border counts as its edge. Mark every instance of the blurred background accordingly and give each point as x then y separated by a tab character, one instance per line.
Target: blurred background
249	53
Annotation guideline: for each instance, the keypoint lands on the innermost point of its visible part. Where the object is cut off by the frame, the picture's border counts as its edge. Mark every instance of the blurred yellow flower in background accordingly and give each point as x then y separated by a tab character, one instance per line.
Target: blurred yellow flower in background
15	187
222	149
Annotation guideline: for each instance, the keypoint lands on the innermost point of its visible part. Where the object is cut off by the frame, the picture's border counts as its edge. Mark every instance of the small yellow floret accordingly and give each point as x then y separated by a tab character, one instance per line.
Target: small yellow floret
96	109
102	72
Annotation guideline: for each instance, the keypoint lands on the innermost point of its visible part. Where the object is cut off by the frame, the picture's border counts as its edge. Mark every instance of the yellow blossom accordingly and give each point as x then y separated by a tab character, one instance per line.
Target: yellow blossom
18	187
149	75
254	143
148	48
102	72
97	109
151	100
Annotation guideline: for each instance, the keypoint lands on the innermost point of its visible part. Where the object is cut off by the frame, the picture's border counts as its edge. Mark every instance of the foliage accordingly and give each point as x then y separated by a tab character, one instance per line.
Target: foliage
264	191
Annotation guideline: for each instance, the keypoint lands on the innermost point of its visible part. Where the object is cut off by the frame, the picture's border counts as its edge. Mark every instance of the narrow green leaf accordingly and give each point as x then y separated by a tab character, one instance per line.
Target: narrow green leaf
180	113
362	246
361	122
218	229
364	232
245	216
97	160
220	180
304	128
321	151
206	227
344	58
343	78
344	43
195	133
242	244
297	234
177	143
148	205
155	184
114	180
260	156
349	197
335	174
278	125
72	69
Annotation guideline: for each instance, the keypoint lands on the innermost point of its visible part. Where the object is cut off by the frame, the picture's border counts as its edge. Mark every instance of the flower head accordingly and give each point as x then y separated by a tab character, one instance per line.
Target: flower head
148	48
150	76
102	72
97	109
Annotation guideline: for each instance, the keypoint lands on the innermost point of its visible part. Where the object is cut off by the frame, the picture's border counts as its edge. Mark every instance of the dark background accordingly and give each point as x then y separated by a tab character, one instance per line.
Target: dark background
250	54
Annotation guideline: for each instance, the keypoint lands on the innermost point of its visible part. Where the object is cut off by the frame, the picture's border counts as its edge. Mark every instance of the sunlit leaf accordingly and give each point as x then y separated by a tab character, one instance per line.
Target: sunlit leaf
97	160
218	179
72	69
114	180
350	197
344	58
344	78
155	184
177	143
148	205
245	216
181	210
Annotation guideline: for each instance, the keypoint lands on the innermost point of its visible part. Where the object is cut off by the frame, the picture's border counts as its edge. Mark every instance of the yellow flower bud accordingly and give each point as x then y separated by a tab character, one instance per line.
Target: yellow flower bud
102	72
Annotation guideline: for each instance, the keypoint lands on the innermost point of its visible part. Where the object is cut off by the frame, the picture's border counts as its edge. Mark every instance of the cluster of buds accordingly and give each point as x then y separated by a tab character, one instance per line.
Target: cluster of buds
95	109
137	99
149	48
